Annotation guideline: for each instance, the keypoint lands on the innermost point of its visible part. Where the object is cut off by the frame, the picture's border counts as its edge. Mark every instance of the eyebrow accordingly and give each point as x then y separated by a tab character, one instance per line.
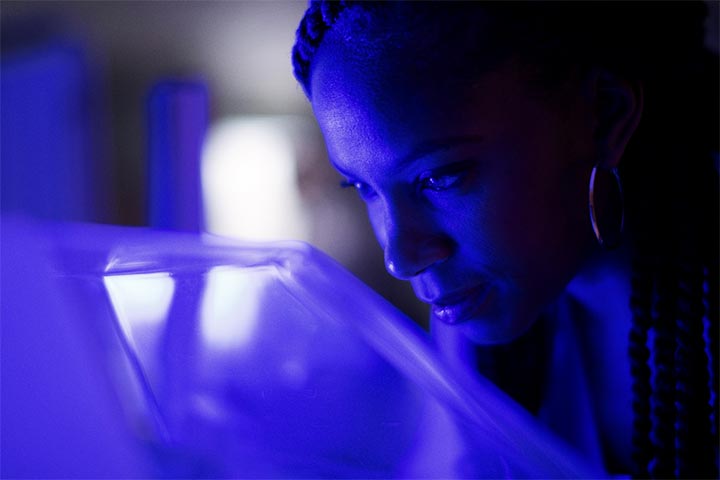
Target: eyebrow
429	147
434	146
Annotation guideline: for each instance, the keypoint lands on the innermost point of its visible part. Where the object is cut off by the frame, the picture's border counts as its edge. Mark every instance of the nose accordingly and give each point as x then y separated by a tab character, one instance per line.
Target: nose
413	244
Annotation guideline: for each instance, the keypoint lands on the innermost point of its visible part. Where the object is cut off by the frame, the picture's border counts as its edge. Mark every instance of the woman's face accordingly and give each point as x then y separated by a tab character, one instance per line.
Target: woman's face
477	194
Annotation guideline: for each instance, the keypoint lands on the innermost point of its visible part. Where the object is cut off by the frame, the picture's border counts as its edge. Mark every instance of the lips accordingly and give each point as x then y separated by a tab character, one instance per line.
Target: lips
460	306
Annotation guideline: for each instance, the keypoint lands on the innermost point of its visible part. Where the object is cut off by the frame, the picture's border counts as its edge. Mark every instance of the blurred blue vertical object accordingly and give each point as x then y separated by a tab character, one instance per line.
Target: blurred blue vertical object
49	169
177	123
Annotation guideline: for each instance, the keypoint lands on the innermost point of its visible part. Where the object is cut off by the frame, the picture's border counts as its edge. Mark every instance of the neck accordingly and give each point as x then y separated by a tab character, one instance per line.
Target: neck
601	298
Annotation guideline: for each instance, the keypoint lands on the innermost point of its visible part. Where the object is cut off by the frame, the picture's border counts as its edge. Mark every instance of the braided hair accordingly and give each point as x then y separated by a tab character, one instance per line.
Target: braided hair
318	19
670	176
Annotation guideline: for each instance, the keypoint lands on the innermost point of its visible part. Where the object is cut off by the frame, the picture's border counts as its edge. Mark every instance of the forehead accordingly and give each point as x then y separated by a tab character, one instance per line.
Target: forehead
455	39
407	69
381	105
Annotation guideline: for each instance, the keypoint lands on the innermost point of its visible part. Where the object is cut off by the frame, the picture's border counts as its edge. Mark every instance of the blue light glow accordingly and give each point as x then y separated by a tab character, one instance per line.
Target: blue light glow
233	360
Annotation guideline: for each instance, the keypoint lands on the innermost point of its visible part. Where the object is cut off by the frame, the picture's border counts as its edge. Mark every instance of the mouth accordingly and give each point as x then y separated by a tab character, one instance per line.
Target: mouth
458	307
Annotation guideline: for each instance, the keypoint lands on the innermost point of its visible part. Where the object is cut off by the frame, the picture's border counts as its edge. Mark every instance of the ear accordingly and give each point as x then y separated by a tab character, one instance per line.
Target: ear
618	105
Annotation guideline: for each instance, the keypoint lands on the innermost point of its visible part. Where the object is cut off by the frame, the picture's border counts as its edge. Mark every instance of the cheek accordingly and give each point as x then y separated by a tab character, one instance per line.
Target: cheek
552	246
536	220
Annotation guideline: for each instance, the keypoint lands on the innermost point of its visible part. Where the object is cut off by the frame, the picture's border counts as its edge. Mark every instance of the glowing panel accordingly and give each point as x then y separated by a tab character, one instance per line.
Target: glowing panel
249	181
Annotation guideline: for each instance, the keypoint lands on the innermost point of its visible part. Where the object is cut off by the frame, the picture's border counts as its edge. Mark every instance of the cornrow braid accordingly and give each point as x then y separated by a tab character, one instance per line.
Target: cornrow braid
318	18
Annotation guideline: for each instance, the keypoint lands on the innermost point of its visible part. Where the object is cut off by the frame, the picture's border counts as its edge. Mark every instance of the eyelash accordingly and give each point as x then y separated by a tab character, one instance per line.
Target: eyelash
363	189
432	181
438	183
447	177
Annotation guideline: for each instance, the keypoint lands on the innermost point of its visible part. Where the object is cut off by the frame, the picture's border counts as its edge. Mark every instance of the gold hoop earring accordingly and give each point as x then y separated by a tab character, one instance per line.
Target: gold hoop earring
608	230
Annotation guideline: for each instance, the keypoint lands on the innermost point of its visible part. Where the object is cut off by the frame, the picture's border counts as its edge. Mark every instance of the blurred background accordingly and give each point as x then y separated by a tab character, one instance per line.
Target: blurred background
180	115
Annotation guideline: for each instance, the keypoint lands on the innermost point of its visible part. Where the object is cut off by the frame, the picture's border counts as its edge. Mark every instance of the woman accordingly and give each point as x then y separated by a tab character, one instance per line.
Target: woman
477	134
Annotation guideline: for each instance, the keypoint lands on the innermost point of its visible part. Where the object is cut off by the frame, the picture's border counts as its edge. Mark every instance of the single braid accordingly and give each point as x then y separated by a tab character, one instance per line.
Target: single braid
693	436
641	305
712	292
663	410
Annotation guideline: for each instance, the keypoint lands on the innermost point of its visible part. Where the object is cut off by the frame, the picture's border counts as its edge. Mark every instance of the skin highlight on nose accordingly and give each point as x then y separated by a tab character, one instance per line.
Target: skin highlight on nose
408	255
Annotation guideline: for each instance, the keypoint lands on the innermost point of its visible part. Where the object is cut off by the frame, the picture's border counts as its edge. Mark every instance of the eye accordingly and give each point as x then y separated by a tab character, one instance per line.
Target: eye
363	189
445	177
437	183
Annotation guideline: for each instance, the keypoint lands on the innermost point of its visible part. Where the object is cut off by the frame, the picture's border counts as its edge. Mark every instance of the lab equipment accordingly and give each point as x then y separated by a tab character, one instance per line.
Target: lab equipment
129	352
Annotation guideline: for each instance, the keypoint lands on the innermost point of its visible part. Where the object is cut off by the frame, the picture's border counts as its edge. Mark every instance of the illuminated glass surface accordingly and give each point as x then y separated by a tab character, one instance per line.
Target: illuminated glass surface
236	360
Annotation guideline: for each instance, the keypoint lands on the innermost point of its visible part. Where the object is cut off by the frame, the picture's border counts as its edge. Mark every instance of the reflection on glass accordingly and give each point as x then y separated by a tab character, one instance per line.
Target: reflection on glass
229	309
141	301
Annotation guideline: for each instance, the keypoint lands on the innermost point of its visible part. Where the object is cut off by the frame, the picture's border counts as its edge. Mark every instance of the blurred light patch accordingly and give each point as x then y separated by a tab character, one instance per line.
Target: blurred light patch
140	300
249	181
229	309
